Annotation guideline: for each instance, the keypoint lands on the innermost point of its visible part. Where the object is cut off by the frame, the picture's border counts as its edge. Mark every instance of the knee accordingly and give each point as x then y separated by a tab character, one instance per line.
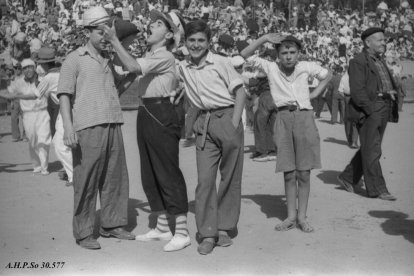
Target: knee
303	177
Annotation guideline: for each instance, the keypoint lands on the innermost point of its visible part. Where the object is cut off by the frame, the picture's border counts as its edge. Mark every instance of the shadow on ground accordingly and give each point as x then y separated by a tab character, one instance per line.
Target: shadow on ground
133	205
336	141
331	177
7	167
273	206
396	223
55	166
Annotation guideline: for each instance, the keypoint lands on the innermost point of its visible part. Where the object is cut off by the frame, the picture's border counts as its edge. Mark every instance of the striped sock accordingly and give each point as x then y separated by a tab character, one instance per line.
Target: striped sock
181	225
162	223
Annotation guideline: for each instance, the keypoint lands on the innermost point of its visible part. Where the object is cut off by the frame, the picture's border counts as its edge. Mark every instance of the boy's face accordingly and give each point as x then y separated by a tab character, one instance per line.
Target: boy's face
197	45
288	55
157	32
96	37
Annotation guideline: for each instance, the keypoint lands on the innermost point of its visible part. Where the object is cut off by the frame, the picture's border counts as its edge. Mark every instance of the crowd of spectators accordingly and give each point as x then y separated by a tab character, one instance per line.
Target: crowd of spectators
328	35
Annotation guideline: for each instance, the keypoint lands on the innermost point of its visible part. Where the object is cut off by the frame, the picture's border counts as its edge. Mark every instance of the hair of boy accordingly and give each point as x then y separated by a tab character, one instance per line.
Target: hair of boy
198	26
287	44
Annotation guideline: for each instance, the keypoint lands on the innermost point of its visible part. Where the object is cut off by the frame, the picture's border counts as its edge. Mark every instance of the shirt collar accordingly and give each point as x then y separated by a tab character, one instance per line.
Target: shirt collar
85	50
209	60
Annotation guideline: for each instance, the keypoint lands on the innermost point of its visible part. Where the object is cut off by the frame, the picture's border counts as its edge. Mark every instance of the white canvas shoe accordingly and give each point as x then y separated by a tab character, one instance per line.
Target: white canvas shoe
154	235
178	242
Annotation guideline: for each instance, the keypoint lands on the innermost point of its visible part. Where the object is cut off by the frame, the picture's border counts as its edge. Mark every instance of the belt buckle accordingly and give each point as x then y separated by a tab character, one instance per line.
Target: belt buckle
292	107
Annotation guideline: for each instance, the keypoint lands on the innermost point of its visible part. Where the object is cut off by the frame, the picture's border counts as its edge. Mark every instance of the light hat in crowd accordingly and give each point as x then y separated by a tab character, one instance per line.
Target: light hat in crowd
46	54
95	16
27	62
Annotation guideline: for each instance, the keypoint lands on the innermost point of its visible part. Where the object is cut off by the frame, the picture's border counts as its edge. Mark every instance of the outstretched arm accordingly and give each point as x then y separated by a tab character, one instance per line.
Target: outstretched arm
127	60
272	38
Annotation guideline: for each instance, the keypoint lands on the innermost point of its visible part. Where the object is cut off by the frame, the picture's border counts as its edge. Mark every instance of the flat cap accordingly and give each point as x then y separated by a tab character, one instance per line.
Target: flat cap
371	31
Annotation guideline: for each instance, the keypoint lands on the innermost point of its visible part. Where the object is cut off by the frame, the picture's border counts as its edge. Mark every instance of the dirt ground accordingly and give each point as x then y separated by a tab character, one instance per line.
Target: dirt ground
354	235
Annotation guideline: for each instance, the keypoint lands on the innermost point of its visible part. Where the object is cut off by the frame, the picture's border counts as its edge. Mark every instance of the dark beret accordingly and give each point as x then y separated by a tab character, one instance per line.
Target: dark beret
241	44
226	40
125	29
371	31
291	38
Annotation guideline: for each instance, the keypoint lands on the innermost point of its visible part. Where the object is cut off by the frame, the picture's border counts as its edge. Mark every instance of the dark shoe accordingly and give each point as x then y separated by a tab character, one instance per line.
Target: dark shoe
224	240
205	247
118	233
261	158
255	154
63	176
346	185
387	196
89	243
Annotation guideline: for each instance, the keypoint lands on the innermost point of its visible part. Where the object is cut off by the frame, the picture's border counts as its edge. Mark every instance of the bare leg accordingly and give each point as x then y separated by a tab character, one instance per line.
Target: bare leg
303	197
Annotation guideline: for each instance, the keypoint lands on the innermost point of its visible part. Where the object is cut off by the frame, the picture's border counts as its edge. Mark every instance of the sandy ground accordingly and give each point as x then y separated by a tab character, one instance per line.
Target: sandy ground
354	234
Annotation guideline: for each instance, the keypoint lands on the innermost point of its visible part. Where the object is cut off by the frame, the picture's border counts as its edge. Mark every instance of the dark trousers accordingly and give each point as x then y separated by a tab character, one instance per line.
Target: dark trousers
53	110
16	118
366	161
158	136
99	165
264	119
338	106
218	208
351	131
318	103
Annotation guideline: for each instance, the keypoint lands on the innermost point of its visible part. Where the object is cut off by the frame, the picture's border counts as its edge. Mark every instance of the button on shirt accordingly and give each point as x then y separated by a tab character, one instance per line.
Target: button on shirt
90	80
210	85
21	86
293	89
159	74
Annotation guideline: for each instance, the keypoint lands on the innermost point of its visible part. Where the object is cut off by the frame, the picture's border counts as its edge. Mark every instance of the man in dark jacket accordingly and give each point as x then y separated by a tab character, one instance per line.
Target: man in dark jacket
373	98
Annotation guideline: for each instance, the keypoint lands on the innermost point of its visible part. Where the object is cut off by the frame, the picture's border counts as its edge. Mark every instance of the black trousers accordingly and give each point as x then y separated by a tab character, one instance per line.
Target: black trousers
366	161
53	110
264	119
158	135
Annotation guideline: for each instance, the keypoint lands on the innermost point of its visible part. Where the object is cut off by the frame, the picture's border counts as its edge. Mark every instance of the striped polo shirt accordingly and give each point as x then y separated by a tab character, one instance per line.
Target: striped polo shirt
90	81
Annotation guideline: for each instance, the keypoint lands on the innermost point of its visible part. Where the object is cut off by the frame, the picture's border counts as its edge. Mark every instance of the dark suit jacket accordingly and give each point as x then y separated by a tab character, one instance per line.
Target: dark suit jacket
364	83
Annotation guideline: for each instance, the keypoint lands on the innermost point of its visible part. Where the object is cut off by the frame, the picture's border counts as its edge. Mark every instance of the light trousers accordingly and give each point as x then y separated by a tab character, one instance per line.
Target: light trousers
37	127
63	152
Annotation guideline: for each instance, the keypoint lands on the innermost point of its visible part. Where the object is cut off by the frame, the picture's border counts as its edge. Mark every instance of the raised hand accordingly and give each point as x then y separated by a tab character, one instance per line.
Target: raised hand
275	38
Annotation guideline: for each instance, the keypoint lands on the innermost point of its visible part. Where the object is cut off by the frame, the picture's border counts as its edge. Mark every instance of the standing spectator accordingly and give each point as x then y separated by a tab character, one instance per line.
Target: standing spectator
158	131
297	139
351	131
373	93
35	116
95	135
338	102
214	86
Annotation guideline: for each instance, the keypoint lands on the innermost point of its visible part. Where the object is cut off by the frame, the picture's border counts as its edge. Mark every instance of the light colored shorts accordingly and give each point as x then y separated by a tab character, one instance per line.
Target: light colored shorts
297	140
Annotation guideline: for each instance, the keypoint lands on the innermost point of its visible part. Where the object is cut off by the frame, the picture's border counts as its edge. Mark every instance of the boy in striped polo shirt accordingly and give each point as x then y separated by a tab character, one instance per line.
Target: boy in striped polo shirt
93	130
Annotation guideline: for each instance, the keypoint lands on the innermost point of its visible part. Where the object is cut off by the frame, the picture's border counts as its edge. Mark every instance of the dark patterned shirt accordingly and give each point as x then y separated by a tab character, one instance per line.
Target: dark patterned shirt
386	83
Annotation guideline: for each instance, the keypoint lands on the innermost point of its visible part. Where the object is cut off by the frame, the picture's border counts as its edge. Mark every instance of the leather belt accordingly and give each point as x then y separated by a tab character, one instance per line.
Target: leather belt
156	100
290	108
